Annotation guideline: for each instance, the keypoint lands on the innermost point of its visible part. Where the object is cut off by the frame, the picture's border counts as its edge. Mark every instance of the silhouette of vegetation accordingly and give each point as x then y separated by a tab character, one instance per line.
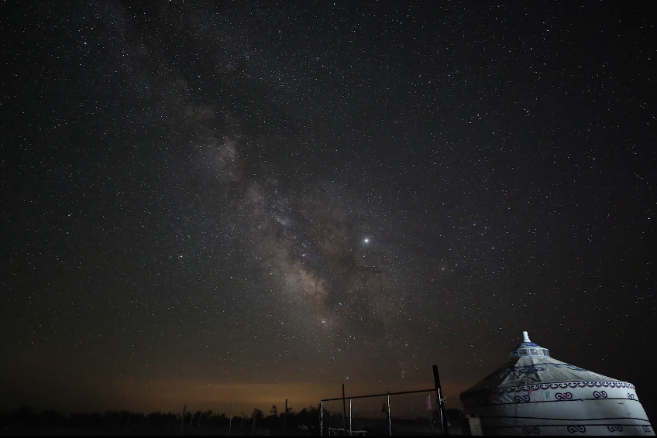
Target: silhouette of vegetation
26	421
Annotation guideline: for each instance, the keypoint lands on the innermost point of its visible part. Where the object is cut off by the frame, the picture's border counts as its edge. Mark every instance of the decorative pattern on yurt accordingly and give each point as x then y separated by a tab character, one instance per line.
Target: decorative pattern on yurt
535	394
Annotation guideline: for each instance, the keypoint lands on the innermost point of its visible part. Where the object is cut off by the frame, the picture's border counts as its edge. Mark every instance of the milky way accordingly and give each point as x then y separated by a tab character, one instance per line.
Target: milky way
300	234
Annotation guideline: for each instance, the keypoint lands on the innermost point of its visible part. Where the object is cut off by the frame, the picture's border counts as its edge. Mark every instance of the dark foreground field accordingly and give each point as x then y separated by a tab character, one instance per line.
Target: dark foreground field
401	430
99	431
25	422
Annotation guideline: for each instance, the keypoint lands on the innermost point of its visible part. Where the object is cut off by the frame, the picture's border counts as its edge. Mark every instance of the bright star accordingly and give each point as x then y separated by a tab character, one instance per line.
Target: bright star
366	240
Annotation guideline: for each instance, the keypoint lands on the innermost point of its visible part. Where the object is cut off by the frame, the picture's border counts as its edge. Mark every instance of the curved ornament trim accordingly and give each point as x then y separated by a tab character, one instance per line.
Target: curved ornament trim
563	395
554	385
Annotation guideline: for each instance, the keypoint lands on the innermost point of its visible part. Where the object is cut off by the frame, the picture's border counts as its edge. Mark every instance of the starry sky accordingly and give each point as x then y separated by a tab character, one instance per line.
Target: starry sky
213	202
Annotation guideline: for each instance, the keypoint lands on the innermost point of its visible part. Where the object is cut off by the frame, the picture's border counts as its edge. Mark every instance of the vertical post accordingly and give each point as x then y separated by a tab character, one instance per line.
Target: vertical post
350	417
389	417
230	421
321	418
253	429
441	402
430	405
182	423
285	423
344	412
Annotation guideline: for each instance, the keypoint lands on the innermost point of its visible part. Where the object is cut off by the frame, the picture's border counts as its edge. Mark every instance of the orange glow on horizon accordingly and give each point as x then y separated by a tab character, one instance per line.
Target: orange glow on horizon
86	394
171	396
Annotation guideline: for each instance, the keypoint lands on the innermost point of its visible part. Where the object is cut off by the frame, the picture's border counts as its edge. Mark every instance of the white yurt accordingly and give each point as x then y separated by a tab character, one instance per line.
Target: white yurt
535	394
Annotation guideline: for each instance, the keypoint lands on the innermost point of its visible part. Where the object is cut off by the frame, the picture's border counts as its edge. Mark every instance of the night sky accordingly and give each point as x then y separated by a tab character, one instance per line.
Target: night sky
205	202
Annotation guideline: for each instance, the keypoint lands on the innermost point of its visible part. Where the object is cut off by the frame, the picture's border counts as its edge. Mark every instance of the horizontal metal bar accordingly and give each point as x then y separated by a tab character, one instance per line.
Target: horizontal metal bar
382	395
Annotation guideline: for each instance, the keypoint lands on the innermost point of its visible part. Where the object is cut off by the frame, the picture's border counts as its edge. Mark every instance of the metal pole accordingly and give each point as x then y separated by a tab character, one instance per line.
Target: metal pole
321	419
417	391
349	417
436	383
389	417
344	412
230	421
285	423
441	403
431	415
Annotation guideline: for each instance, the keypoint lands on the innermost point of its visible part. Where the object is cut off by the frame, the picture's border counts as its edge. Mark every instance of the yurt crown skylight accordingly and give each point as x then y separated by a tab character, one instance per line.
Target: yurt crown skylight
528	348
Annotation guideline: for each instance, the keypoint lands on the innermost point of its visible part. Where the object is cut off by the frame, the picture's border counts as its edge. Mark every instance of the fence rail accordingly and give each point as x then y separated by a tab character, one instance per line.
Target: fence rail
390	413
412	415
385	394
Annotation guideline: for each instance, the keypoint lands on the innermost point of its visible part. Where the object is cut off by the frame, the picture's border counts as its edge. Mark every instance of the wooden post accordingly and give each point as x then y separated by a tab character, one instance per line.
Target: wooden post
441	403
344	412
285	422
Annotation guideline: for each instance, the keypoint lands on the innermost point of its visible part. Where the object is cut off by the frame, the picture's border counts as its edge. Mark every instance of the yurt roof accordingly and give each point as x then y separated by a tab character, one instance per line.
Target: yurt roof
531	365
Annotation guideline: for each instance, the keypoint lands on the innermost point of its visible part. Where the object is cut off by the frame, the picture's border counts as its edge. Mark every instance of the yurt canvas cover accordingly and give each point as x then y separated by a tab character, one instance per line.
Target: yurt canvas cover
535	394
